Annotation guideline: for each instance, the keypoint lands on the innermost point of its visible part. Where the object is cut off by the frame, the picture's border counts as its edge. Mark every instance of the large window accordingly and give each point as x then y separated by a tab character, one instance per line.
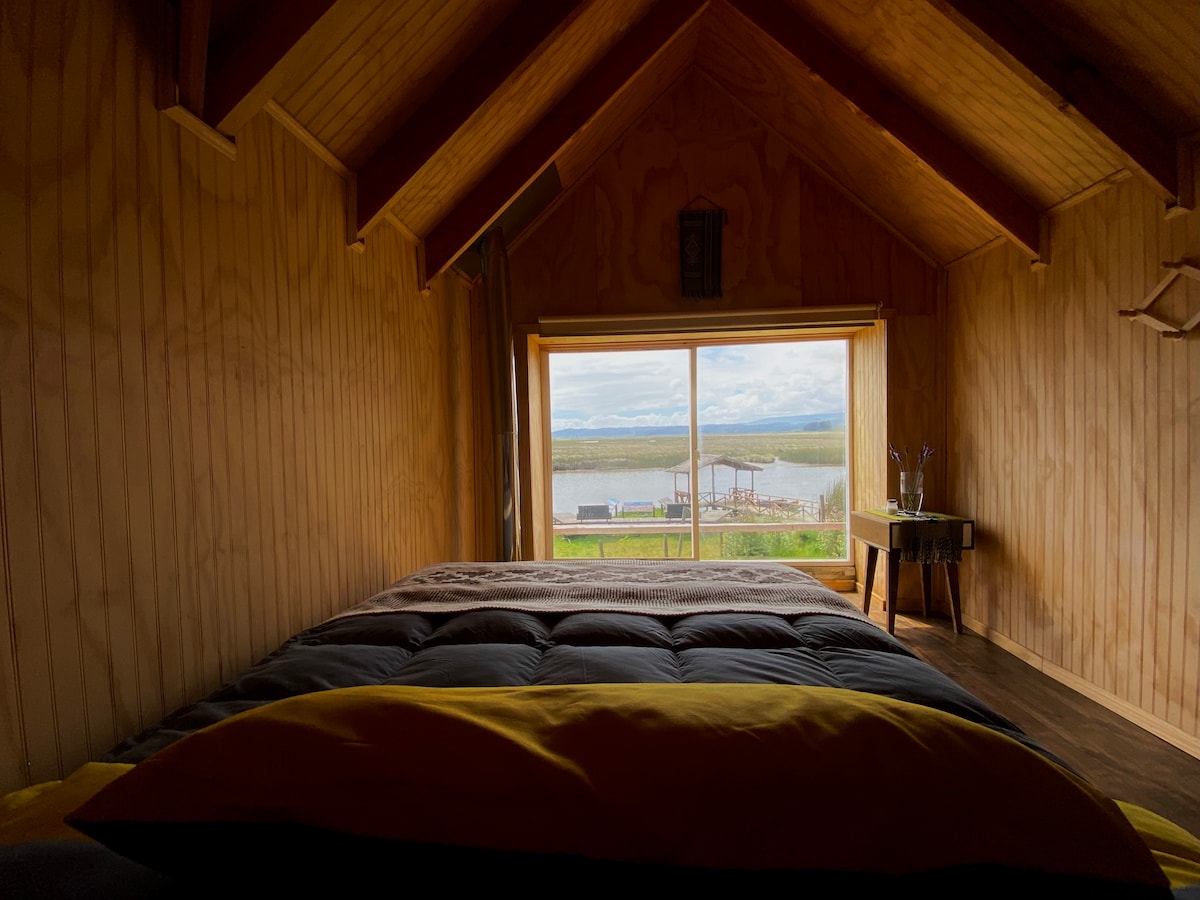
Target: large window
698	449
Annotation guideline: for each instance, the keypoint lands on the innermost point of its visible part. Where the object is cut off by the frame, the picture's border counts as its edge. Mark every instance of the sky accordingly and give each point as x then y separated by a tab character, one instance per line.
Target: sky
735	384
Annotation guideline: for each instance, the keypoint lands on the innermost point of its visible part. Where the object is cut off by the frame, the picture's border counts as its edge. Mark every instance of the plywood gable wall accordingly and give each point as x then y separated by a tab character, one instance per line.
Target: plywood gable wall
218	424
793	238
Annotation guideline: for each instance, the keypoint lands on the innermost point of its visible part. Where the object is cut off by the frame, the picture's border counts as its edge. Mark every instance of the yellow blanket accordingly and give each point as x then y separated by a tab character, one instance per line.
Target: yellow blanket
751	776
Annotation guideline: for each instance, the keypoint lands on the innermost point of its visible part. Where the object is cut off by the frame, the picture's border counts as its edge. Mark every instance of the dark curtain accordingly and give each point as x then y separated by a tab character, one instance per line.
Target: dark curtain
502	381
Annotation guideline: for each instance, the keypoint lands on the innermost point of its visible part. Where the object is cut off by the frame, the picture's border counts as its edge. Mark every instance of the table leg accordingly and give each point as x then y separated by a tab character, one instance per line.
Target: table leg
869	581
926	587
955	603
893	588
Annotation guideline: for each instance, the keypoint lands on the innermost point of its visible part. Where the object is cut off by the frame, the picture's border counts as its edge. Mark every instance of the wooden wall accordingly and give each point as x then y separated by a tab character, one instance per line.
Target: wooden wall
218	424
793	239
868	445
1076	445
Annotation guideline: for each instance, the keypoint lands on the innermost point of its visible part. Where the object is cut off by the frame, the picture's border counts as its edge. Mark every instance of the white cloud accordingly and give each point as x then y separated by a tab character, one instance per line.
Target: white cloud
734	383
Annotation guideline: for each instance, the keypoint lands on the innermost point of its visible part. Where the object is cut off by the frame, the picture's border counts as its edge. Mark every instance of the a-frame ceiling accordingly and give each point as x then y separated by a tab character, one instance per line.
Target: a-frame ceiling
959	123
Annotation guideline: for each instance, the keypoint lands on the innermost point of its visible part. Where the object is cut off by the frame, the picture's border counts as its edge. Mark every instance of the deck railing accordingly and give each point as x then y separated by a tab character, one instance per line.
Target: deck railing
744	500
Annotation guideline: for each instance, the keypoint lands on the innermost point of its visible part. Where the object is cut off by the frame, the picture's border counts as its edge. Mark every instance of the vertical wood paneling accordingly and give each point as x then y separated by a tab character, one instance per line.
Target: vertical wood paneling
282	380
1106	523
1190	635
1080	597
197	526
214	486
159	523
266	331
1155	488
26	433
360	278
70	690
315	331
1120	236
15	66
375	415
1142	556
247	514
48	360
868	382
138	682
206	402
335	331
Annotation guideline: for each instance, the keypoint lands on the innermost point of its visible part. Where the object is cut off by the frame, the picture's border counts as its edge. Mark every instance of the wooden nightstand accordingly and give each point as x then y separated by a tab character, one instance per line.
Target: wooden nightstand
925	539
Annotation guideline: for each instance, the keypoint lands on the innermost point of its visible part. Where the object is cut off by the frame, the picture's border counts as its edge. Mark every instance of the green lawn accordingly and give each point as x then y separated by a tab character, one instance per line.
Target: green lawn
761	545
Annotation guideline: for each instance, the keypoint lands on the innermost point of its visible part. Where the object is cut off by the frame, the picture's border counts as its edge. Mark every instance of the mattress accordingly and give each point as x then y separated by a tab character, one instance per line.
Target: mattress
588	622
589	727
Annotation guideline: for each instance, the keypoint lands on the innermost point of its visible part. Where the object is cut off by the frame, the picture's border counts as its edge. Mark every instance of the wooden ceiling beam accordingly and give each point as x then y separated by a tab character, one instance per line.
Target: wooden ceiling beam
406	150
181	66
194	18
471	217
250	62
994	197
1073	85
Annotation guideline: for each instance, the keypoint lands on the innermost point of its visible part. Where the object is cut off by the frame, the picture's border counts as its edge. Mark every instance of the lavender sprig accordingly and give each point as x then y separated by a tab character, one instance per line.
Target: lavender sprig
904	460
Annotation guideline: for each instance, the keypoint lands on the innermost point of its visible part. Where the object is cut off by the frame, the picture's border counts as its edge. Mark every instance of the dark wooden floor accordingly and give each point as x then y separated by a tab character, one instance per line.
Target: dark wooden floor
1120	758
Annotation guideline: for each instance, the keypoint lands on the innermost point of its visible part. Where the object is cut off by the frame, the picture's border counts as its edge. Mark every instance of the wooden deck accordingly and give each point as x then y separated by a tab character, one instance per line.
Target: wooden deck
747	500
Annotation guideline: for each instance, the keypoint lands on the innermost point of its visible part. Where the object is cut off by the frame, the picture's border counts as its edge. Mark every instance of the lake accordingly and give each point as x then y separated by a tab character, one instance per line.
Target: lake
778	479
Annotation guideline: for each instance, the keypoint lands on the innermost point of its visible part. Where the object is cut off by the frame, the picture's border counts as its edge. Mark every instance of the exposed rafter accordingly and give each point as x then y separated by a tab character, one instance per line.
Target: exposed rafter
248	64
182	65
194	18
222	63
468	220
407	149
1073	86
989	193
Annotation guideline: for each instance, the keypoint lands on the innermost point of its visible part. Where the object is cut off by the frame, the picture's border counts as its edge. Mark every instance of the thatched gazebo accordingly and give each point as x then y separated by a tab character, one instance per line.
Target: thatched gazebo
710	461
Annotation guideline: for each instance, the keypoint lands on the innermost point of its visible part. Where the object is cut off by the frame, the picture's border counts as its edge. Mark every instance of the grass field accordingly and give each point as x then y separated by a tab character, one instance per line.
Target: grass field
762	545
826	448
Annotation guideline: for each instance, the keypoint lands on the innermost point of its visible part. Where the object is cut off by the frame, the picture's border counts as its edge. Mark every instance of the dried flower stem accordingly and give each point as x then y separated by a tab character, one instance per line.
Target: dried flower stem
905	461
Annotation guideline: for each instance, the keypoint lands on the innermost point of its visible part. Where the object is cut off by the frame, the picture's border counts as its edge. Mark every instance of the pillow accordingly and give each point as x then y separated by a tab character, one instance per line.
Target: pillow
697	780
36	813
1176	850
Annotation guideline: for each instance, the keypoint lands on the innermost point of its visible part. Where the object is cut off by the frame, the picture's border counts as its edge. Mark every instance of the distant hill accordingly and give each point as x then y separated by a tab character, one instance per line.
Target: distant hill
833	421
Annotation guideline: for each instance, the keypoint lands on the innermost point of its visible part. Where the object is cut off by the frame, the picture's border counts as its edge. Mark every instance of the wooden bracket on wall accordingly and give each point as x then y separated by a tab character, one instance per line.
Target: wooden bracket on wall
189	121
1145	313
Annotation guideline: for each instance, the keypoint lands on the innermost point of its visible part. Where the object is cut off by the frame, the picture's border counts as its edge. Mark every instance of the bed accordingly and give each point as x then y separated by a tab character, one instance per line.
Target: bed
589	726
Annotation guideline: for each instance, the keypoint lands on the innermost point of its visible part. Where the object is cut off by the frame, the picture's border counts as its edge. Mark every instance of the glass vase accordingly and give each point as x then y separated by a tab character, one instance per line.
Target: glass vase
912	492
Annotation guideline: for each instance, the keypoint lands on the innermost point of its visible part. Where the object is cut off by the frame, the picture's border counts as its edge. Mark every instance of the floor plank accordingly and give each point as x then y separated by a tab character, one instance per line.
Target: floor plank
1117	756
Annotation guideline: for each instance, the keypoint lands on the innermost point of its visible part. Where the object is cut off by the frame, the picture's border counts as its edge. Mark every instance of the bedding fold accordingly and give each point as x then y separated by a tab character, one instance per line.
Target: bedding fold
754	777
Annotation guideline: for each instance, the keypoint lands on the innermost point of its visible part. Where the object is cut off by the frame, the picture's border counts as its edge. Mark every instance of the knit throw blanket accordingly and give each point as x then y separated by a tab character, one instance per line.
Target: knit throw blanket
649	587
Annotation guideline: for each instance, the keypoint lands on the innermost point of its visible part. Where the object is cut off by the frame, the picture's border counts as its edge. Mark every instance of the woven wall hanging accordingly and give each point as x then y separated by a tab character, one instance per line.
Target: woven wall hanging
700	252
